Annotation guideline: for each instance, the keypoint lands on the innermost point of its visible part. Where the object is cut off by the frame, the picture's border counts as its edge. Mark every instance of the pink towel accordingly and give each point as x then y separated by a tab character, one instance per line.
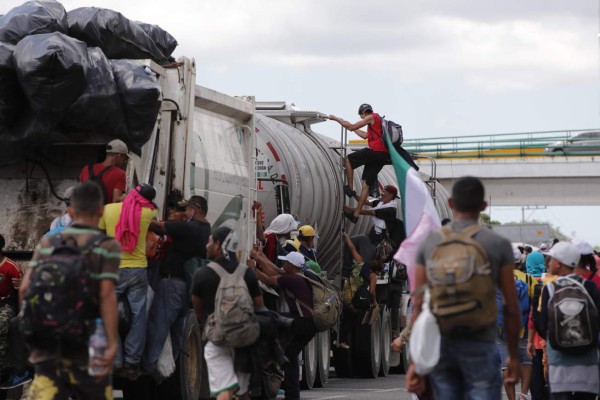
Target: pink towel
127	230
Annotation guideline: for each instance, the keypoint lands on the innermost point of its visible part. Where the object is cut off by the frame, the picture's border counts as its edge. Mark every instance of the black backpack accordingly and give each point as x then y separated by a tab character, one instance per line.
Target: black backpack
536	315
98	178
362	298
572	316
60	303
393	131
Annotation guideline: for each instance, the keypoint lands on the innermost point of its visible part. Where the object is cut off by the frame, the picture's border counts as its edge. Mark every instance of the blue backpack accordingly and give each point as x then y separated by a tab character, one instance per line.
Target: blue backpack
524	303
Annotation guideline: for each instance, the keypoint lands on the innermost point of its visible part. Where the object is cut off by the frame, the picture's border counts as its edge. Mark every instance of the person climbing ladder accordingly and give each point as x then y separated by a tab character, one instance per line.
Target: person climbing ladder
373	157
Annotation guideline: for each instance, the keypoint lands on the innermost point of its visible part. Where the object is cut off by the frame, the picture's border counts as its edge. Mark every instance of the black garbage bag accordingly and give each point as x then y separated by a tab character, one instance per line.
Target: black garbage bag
98	109
51	70
163	39
33	18
117	36
12	99
140	97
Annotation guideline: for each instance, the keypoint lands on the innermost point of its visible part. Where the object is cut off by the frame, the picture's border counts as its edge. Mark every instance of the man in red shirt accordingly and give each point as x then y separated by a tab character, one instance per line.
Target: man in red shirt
10	279
109	173
373	157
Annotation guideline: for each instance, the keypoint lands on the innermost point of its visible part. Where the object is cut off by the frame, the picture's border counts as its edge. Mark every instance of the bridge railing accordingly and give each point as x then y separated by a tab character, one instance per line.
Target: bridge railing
526	144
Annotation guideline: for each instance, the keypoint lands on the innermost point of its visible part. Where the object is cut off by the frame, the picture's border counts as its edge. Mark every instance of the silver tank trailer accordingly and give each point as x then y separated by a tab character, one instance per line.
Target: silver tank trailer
299	167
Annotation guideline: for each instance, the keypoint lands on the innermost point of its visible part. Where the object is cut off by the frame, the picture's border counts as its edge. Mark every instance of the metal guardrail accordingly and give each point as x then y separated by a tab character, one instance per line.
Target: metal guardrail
526	144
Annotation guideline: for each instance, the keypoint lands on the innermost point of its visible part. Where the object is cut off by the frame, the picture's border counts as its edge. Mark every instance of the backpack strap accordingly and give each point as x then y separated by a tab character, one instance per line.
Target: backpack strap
579	284
222	272
100	174
467	232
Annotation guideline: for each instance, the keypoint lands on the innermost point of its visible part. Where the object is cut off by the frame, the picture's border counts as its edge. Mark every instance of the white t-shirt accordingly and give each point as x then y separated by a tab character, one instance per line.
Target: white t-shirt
378	223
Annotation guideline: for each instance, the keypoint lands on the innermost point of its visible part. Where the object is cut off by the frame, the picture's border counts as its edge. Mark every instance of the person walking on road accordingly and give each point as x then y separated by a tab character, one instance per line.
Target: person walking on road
468	366
570	324
61	367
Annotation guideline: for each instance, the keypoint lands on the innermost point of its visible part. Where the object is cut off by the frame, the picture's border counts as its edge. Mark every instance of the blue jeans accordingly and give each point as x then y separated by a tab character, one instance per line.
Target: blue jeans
133	285
468	370
171	300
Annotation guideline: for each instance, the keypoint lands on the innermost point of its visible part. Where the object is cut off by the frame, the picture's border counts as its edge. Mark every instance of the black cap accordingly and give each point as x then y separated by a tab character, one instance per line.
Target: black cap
146	191
364	108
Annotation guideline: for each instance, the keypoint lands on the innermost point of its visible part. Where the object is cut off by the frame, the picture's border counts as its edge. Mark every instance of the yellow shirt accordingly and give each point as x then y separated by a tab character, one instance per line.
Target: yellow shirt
531	282
108	222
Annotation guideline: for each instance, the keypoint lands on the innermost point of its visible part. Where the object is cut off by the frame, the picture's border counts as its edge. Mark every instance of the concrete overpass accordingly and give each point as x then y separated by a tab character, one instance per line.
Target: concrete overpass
550	168
534	181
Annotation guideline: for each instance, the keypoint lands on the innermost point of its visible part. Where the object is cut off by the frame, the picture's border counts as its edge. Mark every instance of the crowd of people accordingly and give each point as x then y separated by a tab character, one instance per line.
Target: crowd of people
504	313
536	321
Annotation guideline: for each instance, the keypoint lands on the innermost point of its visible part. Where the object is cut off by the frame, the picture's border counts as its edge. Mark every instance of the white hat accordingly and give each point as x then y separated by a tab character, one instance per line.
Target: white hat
565	252
584	247
117	146
294	258
517	256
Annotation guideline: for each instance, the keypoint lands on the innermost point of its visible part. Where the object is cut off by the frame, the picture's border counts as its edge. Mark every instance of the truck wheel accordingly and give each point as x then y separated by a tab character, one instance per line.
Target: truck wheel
343	360
323	358
386	341
368	352
309	364
189	362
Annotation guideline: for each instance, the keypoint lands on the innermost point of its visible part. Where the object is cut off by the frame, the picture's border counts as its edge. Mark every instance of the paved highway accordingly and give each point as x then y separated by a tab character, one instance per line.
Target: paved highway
390	387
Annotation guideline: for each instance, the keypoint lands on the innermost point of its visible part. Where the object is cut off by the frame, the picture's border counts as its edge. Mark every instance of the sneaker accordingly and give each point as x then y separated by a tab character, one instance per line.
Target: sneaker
349	192
17	380
344	346
524	396
351	217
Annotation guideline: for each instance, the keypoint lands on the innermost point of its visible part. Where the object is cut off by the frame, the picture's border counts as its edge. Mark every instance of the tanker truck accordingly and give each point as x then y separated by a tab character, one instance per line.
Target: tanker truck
301	172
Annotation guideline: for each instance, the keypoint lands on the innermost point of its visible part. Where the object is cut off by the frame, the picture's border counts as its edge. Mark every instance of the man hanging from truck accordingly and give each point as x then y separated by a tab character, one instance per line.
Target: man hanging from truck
373	157
108	174
172	297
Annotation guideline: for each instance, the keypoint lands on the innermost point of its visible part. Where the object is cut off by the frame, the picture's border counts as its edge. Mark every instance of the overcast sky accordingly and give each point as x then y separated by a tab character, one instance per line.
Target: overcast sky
439	67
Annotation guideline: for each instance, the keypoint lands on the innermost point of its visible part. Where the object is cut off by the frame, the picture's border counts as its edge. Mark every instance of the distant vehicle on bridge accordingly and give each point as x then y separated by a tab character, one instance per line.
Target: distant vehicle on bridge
582	142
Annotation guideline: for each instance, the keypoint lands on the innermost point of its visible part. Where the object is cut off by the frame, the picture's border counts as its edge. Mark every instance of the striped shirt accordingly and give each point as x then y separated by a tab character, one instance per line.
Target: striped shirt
103	264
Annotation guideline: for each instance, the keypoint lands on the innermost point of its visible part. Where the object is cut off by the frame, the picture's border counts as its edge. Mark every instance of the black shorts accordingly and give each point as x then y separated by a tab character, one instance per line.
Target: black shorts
372	160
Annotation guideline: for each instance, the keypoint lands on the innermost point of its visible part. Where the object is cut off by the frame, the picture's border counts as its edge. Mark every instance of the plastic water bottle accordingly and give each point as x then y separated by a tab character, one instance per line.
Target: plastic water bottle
97	347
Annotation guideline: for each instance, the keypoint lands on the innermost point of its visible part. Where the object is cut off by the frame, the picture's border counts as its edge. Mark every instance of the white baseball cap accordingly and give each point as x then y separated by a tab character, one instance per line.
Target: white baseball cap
295	258
584	247
565	252
117	146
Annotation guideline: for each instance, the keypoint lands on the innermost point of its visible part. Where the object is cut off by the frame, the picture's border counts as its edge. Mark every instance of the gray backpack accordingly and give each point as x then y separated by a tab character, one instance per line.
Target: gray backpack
233	323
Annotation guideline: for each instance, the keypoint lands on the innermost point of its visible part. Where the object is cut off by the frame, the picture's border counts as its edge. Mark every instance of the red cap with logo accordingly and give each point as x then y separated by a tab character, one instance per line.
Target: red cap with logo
391	189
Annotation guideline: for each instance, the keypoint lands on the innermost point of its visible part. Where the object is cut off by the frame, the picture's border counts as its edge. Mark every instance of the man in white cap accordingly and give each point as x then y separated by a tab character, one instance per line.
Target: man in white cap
570	324
298	294
109	173
65	220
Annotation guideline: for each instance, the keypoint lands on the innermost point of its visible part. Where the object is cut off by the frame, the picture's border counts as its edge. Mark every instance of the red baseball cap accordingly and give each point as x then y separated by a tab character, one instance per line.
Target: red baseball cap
391	189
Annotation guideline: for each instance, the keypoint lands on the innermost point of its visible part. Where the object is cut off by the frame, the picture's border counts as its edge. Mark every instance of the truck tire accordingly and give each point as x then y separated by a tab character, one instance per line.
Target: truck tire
189	362
309	364
386	341
343	359
323	358
368	349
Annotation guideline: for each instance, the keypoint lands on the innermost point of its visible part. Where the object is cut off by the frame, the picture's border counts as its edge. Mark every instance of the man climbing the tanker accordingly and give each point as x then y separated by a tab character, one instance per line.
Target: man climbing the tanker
373	157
